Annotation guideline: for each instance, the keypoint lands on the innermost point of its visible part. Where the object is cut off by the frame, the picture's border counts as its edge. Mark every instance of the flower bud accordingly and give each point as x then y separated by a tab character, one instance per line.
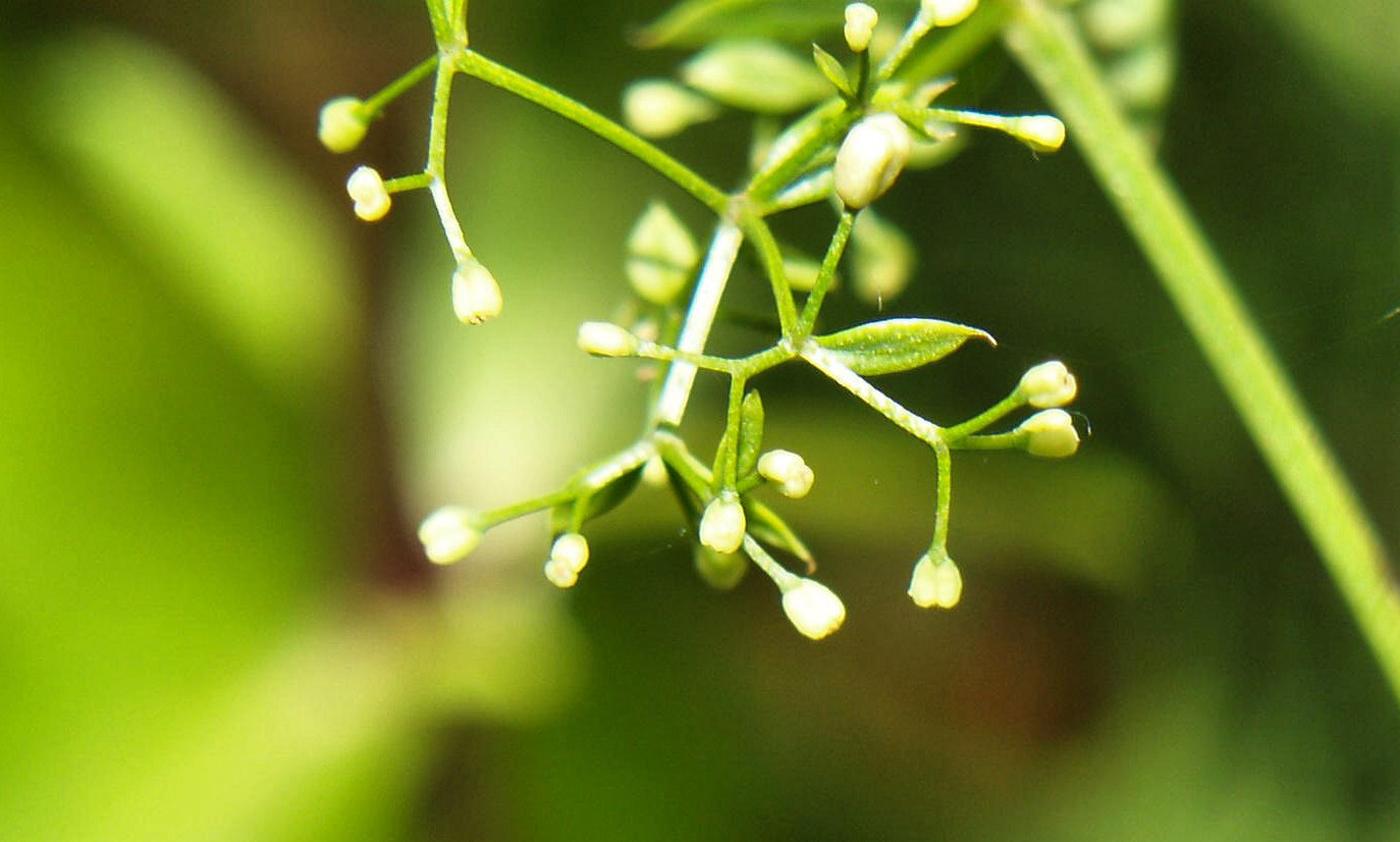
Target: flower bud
449	535
658	108
560	574
571	551
756	76
1041	132
366	187
476	297
936	582
813	608
802	273
604	339
861	19
871	158
723	524
1048	385
721	571
343	124
1050	434
788	470
948	12
662	255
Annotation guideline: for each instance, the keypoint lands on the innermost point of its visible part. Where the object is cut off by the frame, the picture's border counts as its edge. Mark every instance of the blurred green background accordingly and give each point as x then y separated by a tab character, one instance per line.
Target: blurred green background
224	404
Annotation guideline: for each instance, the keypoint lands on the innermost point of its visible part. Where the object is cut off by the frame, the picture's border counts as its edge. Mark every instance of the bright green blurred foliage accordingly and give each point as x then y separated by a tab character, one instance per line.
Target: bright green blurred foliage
223	401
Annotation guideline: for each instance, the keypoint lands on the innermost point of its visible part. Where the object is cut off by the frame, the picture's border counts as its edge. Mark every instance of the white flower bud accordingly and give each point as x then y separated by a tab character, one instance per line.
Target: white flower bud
604	339
1040	132
449	535
659	108
722	571
788	470
476	297
722	526
756	76
871	158
366	187
813	608
1048	385
861	19
936	583
571	551
948	12
1050	434
560	574
343	124
662	255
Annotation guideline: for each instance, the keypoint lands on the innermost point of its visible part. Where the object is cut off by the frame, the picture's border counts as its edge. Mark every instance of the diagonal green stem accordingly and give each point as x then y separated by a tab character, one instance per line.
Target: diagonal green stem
1048	45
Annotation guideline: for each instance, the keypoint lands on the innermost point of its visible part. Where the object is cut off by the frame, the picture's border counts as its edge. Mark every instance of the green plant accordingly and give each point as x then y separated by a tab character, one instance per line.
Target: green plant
864	122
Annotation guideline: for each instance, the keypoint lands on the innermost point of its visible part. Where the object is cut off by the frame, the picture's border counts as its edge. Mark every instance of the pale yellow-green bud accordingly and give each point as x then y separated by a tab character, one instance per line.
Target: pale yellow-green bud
449	535
883	259
476	297
789	471
560	574
723	524
936	583
871	158
342	124
1048	385
1050	434
659	108
604	339
571	551
661	255
722	571
366	187
948	12
756	76
861	19
802	272
813	609
1040	132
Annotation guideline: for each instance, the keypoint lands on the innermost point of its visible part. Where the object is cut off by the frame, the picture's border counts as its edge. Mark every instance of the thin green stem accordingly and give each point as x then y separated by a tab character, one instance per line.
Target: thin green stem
1000	410
1048	45
437	164
417	181
910	422
959	45
442	30
944	503
918	28
772	257
814	131
496	517
999	441
377	103
826	277
727	457
478	66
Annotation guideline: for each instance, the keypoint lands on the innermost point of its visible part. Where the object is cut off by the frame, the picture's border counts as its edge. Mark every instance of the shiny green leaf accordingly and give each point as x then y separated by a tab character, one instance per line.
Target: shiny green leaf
898	344
750	434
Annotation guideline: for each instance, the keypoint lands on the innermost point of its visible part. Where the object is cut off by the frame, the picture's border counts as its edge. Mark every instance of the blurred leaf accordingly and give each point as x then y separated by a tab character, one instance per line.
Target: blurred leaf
832	69
898	344
181	176
695	23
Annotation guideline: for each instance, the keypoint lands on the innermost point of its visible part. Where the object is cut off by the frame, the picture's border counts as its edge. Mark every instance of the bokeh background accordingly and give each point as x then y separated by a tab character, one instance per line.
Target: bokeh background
224	405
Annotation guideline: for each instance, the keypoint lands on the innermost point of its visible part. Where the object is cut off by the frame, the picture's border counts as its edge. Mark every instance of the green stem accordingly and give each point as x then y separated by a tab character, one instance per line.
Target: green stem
959	45
944	502
475	64
908	421
1000	410
727	459
772	257
826	277
397	88
1047	44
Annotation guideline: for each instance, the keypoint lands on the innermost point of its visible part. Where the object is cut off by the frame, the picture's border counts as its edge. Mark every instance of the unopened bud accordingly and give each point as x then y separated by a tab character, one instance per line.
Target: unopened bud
366	187
476	297
789	470
948	12
936	582
813	608
756	76
861	19
1050	434
871	158
1048	385
604	339
722	526
802	273
343	124
449	535
1041	132
659	108
571	551
721	571
560	574
661	255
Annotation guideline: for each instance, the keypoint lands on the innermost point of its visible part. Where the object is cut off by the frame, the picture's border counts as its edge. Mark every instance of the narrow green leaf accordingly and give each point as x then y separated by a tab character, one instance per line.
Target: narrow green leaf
758	76
767	526
750	433
898	344
601	502
699	22
833	70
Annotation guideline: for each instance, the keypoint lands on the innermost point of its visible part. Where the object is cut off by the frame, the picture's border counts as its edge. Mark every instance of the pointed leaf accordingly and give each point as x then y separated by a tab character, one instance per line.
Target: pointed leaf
765	525
834	72
898	344
750	434
602	501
